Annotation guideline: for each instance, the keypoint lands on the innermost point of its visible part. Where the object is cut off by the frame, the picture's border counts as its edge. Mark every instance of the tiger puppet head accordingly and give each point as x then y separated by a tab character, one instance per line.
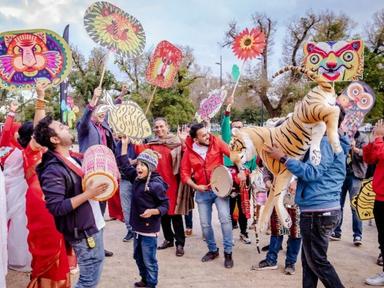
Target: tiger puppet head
316	114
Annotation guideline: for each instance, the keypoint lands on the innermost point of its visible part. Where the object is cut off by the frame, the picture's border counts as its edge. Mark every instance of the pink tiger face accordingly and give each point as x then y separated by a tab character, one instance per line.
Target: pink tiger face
27	52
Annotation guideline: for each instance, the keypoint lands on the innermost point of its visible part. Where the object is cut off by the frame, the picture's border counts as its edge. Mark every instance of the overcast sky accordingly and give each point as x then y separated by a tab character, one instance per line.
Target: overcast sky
199	24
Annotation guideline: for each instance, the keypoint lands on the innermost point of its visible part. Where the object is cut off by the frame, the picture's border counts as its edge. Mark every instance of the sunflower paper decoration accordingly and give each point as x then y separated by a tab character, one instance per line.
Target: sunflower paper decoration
248	44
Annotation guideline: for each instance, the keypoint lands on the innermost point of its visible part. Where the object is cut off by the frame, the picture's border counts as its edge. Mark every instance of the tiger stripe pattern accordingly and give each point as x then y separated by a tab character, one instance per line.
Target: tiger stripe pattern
314	115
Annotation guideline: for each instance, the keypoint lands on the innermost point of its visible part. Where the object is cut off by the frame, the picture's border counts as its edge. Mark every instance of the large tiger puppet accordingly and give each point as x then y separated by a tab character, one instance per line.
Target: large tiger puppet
316	114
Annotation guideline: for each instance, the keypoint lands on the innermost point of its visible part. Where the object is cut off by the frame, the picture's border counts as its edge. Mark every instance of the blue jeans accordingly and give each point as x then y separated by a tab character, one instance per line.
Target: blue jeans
126	199
351	185
90	261
293	250
144	252
188	220
204	201
316	227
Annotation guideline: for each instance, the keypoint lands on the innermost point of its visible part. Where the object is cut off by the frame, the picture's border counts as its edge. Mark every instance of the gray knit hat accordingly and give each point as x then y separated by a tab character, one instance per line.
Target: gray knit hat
150	158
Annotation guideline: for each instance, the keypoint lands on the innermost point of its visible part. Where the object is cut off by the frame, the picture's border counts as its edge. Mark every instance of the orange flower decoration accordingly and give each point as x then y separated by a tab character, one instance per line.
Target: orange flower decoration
248	44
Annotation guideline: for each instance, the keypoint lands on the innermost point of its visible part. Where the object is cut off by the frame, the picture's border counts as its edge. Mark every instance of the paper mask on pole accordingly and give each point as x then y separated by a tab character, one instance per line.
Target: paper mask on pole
335	61
235	72
364	201
357	100
114	29
28	55
211	105
127	119
164	64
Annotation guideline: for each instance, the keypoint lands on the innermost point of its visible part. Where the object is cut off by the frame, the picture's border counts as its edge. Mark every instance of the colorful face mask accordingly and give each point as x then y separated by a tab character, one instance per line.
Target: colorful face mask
335	61
114	29
164	64
28	55
357	100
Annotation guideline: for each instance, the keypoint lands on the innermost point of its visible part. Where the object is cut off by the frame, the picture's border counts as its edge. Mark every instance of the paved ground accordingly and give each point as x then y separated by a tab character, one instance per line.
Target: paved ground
353	264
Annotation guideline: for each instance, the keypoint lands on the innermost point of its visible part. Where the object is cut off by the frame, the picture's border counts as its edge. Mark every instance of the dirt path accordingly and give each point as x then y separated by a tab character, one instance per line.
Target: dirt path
352	263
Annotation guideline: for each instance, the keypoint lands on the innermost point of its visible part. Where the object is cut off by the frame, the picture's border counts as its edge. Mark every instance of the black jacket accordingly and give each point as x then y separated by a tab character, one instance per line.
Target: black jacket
154	198
59	184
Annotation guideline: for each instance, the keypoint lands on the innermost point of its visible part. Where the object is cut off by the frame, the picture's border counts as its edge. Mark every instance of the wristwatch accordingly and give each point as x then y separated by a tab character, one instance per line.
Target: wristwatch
283	159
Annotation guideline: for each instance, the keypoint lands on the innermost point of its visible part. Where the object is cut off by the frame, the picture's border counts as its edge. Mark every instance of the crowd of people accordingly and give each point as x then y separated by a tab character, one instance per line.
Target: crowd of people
54	225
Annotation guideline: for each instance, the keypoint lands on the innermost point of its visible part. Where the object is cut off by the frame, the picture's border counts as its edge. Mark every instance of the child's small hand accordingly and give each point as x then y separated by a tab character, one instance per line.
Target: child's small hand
148	213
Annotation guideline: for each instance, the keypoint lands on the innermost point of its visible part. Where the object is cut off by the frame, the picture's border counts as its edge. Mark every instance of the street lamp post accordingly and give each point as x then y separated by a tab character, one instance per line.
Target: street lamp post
221	70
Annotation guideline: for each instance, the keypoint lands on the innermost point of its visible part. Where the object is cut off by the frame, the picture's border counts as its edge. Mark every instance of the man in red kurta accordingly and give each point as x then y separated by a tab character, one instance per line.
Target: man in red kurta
169	147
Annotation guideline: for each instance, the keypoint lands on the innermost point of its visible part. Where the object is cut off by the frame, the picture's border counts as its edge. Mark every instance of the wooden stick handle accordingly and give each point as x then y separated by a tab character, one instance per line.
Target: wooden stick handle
238	79
104	67
150	100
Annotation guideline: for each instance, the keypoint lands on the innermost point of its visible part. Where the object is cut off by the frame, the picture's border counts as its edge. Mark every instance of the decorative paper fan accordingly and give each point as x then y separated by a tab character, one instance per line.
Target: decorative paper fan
248	44
114	29
235	72
357	100
211	105
28	55
164	64
127	119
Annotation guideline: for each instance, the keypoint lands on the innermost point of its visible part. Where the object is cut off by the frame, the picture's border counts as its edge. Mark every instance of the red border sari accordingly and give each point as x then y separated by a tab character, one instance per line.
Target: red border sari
50	266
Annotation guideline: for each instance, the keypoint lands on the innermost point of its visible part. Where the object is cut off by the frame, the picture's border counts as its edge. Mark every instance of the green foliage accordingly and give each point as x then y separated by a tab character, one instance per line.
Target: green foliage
374	77
86	75
175	107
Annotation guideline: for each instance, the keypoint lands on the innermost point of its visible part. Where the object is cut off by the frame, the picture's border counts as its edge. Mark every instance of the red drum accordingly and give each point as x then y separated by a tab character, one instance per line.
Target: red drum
99	165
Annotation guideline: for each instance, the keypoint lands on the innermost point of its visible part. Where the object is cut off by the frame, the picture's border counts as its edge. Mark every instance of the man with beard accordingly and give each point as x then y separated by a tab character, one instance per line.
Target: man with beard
204	152
168	146
77	217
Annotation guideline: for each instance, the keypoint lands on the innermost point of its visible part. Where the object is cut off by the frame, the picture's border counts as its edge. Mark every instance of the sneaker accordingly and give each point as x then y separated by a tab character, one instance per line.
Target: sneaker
210	256
357	241
228	261
379	260
264	265
188	232
335	237
235	226
128	237
377	280
244	238
289	269
108	253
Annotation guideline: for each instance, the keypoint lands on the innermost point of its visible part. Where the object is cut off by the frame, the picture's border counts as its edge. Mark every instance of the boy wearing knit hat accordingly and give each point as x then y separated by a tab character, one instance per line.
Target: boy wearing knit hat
149	203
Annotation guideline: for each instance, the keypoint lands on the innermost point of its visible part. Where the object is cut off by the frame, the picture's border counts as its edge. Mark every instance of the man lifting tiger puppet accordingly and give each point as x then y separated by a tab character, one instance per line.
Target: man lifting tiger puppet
303	130
308	145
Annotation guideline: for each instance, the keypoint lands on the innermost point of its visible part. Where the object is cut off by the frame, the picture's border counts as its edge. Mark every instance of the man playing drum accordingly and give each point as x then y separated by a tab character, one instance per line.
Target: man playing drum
204	152
77	217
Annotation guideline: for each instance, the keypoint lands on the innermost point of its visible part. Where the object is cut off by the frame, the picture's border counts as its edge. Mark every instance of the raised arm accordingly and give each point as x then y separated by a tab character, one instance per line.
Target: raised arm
41	86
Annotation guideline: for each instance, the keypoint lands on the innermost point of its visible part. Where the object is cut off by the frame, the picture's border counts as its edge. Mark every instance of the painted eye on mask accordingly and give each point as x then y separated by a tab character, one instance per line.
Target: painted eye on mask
17	50
37	48
314	59
348	56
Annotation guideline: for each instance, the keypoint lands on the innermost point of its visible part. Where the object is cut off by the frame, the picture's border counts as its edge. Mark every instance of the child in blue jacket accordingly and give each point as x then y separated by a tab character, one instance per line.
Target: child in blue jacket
149	203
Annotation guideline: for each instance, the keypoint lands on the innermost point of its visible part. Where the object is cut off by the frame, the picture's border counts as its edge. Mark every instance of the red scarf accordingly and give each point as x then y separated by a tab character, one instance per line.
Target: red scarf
79	172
